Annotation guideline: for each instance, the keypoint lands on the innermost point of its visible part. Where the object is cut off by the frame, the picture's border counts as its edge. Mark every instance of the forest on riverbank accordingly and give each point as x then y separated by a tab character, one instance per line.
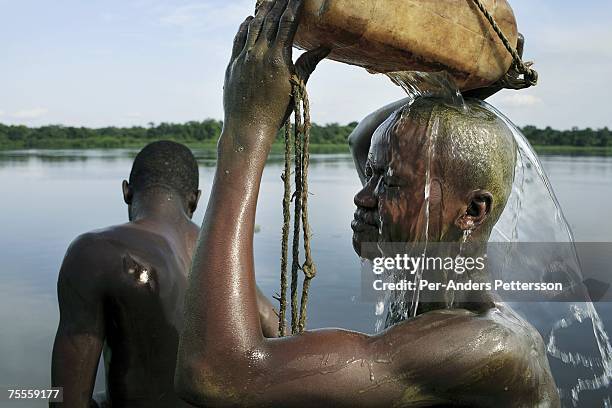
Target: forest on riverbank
325	138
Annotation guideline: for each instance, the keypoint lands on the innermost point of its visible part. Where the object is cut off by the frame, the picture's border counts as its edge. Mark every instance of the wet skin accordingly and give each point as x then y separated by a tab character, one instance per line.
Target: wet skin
121	290
441	358
467	191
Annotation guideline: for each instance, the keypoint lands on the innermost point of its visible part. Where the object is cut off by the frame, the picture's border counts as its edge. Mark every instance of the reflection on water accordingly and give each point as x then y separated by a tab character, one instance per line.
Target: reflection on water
49	197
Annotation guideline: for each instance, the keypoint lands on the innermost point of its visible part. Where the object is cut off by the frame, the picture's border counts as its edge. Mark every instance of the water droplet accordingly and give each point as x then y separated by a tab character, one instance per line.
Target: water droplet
144	276
380	308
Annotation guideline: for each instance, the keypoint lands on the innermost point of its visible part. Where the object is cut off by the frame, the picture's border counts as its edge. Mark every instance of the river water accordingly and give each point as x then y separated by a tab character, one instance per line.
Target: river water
50	197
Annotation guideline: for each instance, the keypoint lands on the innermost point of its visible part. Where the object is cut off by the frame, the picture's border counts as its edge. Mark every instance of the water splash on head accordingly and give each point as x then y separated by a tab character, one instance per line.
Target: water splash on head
429	85
467	145
532	214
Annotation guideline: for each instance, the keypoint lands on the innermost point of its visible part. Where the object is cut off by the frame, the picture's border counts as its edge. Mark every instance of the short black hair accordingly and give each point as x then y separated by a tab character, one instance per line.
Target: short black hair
165	164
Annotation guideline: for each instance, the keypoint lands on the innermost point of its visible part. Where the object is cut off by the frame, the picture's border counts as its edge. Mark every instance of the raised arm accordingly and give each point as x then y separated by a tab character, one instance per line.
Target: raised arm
360	137
226	362
222	282
80	334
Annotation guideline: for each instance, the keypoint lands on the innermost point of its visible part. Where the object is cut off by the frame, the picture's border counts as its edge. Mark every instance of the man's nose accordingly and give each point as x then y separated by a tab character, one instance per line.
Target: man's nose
366	198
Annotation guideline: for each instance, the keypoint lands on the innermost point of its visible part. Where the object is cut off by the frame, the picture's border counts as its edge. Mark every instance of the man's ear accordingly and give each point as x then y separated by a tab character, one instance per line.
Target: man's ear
127	192
479	205
192	205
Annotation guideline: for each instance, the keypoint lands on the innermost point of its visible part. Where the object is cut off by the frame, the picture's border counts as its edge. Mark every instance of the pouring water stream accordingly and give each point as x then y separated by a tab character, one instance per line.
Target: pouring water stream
530	185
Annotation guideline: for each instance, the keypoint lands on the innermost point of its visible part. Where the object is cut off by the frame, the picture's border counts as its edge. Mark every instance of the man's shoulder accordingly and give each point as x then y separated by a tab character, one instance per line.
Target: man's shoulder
493	352
94	253
99	242
86	266
110	240
113	242
110	252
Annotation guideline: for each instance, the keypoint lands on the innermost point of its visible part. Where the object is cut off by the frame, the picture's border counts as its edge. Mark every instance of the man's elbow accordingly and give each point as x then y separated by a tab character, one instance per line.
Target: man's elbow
354	138
189	381
202	384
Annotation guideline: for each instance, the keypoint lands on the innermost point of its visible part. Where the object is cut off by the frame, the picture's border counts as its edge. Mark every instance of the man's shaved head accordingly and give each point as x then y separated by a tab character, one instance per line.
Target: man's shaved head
474	150
468	156
165	164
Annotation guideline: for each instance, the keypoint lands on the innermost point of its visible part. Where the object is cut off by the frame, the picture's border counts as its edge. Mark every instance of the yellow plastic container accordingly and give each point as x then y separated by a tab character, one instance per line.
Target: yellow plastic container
413	35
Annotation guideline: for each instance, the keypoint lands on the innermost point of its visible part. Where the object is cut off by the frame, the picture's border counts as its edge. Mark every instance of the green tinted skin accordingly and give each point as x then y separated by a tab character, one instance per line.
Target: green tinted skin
451	357
469	157
473	154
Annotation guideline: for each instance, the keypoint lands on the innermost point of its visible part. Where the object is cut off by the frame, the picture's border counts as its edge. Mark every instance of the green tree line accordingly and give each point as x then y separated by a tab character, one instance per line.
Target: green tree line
194	133
575	137
206	133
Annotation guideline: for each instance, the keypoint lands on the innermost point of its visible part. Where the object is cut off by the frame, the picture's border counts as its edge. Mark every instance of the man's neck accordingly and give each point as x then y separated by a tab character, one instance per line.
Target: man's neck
442	298
164	210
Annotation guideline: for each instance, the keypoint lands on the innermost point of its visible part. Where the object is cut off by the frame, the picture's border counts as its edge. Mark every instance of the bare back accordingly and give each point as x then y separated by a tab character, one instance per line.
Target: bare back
146	305
132	293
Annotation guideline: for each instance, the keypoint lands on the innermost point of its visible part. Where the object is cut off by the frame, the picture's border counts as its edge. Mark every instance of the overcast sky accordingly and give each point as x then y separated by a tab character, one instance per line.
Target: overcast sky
120	62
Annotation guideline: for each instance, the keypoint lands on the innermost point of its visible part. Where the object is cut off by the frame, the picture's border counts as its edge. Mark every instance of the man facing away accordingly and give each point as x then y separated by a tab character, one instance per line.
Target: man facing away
121	289
476	354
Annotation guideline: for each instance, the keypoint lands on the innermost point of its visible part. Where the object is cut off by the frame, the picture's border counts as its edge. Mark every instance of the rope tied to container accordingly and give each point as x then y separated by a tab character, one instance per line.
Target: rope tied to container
301	159
301	225
512	79
282	330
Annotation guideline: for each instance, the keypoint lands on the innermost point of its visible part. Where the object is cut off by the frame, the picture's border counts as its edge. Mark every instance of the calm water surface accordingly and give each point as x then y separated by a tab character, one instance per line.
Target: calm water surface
49	197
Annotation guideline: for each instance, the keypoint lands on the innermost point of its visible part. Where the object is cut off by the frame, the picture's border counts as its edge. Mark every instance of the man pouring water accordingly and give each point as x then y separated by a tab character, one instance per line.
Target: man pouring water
477	354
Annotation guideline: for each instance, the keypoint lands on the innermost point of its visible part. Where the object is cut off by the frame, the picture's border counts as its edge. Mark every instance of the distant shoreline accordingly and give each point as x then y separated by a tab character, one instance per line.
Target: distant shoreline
329	138
278	148
574	150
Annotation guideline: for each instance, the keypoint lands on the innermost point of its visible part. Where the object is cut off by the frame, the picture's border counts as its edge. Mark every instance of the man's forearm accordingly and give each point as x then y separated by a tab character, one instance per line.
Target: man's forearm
222	281
257	94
